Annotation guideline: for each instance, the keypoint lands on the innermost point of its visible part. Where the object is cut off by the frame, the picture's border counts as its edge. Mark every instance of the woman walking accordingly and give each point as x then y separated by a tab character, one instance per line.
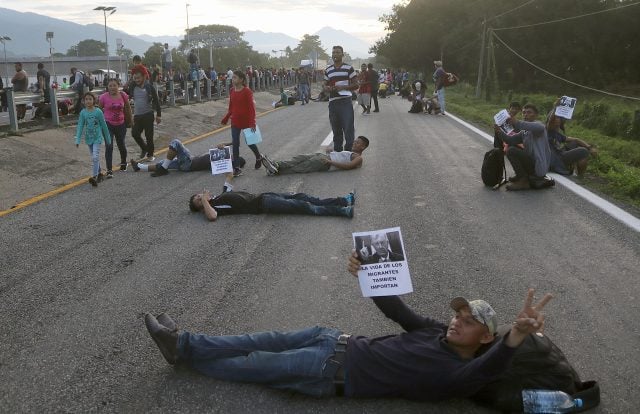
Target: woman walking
242	112
115	104
91	121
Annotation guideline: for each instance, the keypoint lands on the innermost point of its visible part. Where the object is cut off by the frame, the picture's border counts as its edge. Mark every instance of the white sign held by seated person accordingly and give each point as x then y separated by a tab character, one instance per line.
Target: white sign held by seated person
220	160
565	107
384	270
501	119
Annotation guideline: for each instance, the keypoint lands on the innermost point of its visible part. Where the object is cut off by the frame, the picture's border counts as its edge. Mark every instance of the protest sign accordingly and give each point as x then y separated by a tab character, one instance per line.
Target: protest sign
384	270
501	119
565	107
220	160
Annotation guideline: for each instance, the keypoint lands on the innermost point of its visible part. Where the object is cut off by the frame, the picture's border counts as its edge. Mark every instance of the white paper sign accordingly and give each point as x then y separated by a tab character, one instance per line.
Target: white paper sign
220	160
501	120
384	270
566	107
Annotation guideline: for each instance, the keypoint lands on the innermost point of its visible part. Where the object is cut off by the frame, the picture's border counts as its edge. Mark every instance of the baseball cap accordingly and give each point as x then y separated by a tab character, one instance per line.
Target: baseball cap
480	310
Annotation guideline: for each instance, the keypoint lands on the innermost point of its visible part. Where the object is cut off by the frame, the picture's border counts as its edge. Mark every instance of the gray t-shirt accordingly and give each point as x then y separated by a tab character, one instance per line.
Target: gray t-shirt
141	101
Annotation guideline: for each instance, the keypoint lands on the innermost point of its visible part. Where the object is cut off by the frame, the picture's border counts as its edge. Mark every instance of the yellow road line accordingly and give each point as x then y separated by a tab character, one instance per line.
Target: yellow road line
33	200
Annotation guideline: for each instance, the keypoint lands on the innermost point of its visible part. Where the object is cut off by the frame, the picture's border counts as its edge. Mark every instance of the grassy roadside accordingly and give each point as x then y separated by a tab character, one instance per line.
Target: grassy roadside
616	170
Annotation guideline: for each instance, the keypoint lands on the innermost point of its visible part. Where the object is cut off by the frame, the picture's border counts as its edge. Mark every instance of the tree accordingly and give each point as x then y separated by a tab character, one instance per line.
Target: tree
124	52
88	47
308	46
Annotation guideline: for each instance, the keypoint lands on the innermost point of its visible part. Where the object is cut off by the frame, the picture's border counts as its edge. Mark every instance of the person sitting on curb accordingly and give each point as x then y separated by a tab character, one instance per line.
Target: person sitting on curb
270	203
180	158
430	361
534	158
567	152
317	162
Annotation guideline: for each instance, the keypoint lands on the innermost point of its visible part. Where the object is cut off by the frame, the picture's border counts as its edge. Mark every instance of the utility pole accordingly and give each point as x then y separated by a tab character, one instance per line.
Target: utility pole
481	64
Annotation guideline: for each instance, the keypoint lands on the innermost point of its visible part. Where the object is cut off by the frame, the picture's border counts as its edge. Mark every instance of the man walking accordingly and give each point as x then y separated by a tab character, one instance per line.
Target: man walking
339	82
145	99
374	81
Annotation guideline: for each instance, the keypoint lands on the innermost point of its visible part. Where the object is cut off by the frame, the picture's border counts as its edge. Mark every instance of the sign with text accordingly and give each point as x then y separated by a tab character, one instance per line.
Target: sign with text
565	107
220	160
501	119
384	270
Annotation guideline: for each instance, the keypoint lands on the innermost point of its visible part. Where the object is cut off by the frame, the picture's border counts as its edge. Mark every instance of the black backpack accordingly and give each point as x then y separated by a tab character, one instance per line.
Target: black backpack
537	364
493	169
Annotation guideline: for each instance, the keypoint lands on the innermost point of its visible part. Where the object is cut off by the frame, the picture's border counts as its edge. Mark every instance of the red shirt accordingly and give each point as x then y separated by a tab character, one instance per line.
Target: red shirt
242	109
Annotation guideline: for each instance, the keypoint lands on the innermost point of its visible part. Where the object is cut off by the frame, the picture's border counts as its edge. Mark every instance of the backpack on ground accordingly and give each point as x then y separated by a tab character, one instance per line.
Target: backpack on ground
537	364
494	172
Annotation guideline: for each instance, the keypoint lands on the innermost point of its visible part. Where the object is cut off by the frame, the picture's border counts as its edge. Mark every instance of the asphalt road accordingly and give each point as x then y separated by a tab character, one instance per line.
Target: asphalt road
79	270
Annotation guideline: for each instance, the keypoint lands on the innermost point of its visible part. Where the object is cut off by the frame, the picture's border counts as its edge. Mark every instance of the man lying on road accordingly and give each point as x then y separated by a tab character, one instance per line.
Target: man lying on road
306	163
241	202
429	361
180	158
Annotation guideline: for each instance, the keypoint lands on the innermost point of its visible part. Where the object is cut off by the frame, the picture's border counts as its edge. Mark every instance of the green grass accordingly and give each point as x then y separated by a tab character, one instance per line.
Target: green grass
614	172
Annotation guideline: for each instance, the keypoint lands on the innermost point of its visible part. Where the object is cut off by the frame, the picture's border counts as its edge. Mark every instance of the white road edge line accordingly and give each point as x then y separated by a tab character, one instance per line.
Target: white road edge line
609	208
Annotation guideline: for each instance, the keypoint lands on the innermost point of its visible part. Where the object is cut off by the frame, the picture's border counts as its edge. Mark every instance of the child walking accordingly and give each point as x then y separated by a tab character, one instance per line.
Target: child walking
96	130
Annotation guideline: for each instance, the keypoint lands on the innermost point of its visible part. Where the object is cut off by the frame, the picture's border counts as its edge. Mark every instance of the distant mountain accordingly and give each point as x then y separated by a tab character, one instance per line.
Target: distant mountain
173	41
268	42
27	32
355	47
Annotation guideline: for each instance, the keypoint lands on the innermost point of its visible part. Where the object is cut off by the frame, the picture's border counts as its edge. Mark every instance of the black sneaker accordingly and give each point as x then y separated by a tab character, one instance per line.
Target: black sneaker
123	166
160	171
237	172
143	155
272	168
258	162
93	181
134	165
109	174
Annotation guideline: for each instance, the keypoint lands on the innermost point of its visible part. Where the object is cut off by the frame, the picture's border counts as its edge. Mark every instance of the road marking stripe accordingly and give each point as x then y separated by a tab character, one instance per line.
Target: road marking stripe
604	205
74	184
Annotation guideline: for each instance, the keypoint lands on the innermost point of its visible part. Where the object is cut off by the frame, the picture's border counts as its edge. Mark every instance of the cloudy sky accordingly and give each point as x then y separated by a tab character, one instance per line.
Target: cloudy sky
165	17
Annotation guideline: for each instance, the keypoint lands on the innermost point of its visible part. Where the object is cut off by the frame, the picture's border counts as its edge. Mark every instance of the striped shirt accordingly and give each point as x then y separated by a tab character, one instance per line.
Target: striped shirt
340	76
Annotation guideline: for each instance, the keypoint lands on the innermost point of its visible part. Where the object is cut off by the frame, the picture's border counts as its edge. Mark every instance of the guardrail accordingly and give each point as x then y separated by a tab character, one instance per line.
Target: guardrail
188	92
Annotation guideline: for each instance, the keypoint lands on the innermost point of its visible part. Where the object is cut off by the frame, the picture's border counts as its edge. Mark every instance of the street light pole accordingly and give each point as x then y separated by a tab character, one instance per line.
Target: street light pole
49	36
188	40
106	40
4	39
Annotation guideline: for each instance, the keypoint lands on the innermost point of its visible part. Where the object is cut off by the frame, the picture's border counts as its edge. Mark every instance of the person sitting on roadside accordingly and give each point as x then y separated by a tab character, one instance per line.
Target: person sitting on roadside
568	154
270	203
317	162
180	158
429	361
535	157
418	90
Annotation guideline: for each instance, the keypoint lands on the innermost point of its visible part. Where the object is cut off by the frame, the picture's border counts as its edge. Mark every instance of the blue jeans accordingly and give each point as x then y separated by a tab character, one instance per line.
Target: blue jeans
182	161
296	360
341	119
300	203
94	150
235	142
118	133
441	99
304	92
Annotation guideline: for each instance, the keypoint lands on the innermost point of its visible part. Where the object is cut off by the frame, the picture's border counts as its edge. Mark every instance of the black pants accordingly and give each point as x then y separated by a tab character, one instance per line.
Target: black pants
374	96
522	163
118	133
140	123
